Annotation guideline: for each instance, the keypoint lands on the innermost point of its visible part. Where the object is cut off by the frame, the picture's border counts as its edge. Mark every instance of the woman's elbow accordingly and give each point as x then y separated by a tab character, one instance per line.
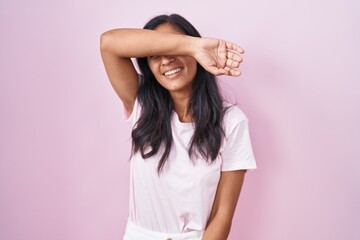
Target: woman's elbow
105	39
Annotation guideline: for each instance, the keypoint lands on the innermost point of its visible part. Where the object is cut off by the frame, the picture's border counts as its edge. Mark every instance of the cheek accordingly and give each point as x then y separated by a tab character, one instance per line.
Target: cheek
193	68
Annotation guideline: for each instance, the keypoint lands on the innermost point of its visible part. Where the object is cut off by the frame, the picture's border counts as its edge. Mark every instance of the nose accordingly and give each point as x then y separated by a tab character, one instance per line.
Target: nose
165	60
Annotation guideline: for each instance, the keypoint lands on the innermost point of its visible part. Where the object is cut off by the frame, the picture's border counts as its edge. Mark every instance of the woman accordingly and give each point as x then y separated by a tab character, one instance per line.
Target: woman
190	149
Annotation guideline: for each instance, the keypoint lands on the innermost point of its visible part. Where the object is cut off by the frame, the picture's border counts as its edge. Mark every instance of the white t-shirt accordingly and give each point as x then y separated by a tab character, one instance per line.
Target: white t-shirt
181	197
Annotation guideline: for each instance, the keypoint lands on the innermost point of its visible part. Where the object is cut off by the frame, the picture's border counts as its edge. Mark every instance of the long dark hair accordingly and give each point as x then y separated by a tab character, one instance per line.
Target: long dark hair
206	105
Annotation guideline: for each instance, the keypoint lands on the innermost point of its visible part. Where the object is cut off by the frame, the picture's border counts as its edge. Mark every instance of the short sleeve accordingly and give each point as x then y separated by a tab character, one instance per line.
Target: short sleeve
131	117
237	152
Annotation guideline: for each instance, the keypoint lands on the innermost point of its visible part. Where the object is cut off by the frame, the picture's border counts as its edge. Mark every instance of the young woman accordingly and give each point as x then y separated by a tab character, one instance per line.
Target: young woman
190	149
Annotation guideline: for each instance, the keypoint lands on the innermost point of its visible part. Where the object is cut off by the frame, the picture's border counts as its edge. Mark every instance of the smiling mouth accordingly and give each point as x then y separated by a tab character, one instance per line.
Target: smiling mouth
173	71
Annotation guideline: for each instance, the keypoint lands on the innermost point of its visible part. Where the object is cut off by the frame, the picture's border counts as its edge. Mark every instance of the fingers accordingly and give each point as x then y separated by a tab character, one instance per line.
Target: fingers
229	71
232	72
217	71
233	61
232	64
224	71
234	47
233	56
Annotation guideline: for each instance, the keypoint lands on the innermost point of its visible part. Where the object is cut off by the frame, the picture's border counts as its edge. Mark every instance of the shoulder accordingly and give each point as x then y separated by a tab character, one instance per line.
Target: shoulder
236	149
233	116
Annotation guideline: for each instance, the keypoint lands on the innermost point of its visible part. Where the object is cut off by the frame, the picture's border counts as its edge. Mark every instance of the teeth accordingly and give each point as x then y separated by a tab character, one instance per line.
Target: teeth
176	70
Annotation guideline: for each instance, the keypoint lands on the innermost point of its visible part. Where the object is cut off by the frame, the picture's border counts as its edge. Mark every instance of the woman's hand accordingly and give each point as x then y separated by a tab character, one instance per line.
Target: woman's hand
218	57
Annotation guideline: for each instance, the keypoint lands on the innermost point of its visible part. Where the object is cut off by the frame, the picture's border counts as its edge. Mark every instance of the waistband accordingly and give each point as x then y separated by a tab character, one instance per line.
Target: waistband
135	232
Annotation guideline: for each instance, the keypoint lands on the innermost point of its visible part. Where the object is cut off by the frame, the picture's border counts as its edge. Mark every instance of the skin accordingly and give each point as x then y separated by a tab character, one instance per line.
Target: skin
166	49
179	84
226	198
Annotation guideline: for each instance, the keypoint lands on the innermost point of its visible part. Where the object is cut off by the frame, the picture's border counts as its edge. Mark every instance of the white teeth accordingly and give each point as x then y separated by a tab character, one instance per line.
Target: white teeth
176	70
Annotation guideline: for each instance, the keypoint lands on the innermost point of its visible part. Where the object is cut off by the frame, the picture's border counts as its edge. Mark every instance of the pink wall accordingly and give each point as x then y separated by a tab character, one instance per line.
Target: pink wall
64	146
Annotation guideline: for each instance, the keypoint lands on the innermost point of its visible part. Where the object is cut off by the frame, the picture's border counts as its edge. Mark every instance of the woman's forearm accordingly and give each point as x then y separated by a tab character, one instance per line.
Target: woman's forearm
134	43
218	229
226	198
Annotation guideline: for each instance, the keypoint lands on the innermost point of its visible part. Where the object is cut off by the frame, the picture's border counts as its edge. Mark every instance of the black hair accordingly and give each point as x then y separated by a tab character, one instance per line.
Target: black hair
206	106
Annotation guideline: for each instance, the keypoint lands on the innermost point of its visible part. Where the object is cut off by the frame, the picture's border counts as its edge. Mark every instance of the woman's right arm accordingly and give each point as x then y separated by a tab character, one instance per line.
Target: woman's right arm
119	45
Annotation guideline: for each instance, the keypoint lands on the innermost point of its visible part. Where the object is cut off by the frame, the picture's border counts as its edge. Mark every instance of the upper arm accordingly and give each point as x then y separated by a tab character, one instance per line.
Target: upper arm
121	73
227	194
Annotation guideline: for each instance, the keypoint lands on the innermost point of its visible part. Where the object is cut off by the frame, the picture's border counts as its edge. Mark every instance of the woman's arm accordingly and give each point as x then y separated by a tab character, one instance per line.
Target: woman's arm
119	45
134	43
224	206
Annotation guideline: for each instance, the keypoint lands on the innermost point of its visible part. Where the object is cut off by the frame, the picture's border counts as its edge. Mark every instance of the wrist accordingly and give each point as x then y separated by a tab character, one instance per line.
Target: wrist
192	46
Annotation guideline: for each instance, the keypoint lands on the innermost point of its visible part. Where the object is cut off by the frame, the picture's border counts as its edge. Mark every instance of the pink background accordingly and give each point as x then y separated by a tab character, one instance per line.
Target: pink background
64	148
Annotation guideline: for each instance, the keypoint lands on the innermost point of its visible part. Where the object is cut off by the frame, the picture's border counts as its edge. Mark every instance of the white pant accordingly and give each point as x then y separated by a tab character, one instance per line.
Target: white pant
134	232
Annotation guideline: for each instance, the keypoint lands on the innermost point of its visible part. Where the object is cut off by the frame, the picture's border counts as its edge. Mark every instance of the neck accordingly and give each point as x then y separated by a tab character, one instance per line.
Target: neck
181	106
